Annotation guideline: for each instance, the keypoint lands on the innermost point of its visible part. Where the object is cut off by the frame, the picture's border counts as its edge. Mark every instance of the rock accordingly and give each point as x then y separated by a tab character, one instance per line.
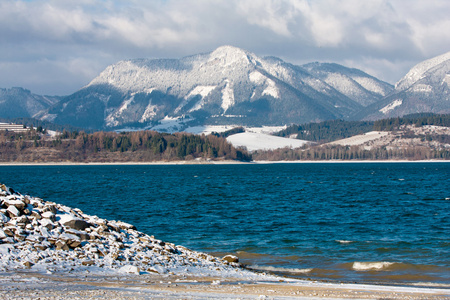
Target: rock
36	215
49	215
13	211
81	234
73	222
10	230
47	223
71	240
88	262
51	207
22	219
129	269
3	218
28	264
61	245
35	238
19	204
231	258
125	226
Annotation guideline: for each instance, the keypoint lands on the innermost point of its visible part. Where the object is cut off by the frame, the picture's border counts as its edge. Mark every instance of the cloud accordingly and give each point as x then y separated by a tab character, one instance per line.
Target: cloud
48	36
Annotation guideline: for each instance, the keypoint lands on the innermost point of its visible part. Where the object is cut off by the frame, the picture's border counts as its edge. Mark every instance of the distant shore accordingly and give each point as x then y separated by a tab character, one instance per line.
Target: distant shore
224	162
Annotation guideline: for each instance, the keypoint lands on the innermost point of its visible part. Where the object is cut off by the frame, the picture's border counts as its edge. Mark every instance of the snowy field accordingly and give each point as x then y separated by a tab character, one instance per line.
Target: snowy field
260	141
361	139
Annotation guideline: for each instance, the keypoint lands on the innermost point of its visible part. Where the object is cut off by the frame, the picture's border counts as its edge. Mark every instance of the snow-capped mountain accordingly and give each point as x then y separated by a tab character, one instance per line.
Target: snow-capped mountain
226	86
355	84
425	88
17	102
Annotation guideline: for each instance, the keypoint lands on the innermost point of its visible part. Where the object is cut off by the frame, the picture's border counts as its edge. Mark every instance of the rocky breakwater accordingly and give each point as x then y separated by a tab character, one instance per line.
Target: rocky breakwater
49	237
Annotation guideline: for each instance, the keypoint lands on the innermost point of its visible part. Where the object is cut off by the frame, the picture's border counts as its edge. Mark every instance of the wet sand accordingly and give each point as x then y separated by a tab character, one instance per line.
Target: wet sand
26	285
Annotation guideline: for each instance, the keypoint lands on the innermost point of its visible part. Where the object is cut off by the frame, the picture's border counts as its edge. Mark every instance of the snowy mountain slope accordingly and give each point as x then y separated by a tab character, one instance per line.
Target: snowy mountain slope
355	84
420	71
21	103
226	86
425	88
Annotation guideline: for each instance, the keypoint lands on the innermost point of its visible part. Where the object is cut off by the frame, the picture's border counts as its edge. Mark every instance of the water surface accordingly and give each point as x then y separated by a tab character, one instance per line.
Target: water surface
352	222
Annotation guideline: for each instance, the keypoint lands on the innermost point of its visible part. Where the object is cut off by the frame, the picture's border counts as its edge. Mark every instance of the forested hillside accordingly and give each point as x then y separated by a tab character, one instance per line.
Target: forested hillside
140	146
329	131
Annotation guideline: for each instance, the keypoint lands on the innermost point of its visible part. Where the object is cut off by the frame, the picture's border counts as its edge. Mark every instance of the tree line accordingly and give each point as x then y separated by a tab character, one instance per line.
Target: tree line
139	146
336	152
329	131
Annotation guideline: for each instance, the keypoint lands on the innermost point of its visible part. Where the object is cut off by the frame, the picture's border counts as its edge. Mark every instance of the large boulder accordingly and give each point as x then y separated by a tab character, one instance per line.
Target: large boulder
74	222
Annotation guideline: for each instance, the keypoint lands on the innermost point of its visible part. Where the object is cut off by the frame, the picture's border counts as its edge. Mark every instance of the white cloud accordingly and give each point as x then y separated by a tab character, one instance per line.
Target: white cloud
49	34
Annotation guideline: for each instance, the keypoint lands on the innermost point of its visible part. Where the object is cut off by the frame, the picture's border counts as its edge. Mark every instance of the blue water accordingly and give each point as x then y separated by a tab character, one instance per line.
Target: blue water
310	220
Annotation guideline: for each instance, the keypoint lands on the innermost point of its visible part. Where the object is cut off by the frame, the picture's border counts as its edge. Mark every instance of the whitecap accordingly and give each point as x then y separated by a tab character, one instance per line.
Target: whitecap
277	269
369	266
344	241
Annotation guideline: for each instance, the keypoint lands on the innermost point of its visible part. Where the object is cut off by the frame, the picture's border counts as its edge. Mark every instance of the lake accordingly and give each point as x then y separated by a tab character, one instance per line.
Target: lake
344	222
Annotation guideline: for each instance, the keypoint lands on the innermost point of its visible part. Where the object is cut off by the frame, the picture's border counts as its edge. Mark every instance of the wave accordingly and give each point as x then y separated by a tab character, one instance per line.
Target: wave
371	266
344	241
278	269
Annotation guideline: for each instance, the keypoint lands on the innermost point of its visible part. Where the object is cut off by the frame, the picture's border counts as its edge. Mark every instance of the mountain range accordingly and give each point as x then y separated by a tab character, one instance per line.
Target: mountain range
233	86
425	88
21	103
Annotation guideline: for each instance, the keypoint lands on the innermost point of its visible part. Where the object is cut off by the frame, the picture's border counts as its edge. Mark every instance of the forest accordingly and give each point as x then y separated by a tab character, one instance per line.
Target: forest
138	146
35	145
337	152
328	131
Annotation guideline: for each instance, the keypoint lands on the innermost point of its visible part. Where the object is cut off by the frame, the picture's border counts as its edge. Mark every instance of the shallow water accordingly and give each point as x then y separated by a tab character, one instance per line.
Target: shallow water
352	222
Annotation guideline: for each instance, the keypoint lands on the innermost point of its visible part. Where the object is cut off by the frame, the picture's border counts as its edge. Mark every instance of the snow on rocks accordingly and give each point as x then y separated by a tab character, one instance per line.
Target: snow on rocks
50	237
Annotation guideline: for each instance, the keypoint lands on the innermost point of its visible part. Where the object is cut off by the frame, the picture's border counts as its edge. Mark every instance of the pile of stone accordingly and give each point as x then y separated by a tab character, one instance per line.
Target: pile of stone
51	237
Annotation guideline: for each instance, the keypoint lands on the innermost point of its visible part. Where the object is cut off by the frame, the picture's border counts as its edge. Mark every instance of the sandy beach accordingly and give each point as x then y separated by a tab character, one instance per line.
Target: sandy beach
20	285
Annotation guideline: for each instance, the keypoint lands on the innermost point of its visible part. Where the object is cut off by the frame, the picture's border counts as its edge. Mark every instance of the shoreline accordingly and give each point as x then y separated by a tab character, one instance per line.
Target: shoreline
228	162
149	286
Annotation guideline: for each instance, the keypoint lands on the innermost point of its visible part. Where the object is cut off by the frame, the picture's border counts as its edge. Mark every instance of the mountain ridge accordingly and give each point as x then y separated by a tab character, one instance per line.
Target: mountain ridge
226	85
230	85
425	88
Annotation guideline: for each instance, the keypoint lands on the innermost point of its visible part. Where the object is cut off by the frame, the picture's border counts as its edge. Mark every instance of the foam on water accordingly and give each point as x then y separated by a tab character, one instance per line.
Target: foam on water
344	241
280	270
369	266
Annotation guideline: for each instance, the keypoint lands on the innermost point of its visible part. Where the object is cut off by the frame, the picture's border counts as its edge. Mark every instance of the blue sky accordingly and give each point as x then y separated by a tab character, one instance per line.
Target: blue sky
55	47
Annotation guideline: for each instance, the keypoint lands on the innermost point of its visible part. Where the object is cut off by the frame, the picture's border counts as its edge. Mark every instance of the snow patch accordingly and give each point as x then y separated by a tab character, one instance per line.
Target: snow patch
257	77
170	125
259	141
391	106
150	112
227	96
370	85
200	90
271	88
360	139
422	88
112	118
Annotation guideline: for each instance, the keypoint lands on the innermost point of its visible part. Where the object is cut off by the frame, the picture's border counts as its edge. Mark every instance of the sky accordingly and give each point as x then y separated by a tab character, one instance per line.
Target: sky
55	47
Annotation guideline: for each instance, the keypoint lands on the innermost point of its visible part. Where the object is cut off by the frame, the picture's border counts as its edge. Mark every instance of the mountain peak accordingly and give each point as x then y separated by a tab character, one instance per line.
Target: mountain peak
228	55
419	70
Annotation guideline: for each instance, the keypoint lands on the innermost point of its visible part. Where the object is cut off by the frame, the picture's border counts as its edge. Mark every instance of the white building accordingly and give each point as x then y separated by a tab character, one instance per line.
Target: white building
13	127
